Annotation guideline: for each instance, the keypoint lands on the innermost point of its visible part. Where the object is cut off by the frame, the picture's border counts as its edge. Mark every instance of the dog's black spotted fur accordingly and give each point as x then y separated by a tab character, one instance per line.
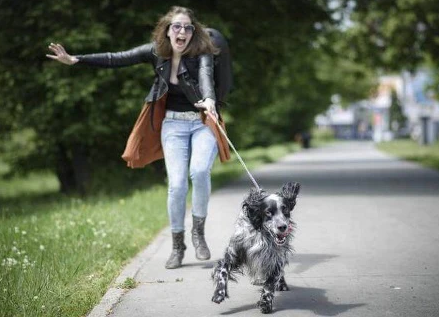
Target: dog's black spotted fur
261	244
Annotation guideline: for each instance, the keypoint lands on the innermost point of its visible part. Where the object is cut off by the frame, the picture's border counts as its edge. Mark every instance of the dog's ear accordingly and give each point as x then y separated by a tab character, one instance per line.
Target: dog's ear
252	206
289	192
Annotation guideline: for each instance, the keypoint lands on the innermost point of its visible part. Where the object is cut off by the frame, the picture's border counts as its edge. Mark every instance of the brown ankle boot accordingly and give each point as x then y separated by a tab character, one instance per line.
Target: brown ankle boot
178	249
201	250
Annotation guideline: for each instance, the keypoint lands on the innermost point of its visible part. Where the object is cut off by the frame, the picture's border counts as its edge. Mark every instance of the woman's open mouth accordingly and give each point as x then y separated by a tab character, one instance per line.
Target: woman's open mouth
180	42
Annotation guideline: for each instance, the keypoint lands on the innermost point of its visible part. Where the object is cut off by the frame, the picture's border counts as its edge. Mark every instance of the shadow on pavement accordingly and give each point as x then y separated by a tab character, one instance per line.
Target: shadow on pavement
239	309
304	262
312	299
368	182
301	298
203	264
338	162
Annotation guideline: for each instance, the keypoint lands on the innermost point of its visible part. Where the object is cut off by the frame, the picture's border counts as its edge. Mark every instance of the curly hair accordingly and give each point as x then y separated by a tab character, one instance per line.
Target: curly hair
199	44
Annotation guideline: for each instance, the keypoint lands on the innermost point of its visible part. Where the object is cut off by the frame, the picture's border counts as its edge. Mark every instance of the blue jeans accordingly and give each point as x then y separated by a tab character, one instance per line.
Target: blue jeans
190	148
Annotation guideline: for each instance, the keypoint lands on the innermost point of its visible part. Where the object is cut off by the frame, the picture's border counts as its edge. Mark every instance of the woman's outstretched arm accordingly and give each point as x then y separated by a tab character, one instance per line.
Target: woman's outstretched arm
140	54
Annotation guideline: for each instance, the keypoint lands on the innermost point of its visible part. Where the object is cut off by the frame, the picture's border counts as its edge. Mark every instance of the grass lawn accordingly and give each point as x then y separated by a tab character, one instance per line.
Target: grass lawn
427	156
60	254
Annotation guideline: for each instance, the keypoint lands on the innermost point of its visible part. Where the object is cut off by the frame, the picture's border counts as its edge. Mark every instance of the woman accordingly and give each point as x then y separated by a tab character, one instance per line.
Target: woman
171	124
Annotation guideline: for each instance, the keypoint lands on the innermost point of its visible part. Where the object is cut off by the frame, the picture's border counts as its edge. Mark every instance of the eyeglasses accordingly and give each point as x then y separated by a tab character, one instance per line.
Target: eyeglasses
188	28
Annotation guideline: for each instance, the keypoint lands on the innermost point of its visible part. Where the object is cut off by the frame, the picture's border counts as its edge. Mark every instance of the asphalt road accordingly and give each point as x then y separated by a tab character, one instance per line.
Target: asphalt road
367	244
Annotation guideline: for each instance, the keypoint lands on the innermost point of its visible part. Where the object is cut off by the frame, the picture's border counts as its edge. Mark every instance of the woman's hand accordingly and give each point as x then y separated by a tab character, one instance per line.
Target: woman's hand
209	105
61	55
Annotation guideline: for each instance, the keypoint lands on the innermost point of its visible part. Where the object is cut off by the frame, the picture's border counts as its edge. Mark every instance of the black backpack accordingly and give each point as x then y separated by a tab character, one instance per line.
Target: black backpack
222	66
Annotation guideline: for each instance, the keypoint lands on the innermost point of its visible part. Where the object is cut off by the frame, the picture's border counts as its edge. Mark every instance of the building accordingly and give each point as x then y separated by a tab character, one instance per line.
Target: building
369	119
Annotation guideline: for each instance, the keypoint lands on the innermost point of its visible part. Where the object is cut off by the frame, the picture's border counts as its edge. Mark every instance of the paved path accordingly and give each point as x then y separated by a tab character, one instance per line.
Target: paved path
367	244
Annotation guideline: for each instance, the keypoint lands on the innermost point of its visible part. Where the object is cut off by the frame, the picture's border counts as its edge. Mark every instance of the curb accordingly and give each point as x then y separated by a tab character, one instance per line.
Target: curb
114	294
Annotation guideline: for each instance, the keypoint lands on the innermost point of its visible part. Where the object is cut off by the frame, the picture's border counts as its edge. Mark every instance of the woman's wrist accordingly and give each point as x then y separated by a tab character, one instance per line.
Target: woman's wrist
74	60
210	104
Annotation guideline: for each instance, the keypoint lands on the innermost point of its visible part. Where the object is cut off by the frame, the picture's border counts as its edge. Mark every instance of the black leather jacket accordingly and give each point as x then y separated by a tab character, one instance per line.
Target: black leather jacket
195	75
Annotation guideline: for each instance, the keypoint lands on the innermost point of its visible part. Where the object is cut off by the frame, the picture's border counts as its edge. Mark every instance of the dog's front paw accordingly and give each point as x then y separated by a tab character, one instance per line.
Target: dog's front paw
219	296
266	302
265	306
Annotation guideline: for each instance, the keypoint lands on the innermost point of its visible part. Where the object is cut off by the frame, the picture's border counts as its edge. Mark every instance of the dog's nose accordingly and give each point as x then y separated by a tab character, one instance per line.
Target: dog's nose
282	228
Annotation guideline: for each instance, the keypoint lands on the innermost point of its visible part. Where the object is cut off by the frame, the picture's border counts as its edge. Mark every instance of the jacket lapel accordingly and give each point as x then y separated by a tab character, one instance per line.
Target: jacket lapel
181	67
163	68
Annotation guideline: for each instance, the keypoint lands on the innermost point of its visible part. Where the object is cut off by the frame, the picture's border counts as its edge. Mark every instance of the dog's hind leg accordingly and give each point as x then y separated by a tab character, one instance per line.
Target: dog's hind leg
282	284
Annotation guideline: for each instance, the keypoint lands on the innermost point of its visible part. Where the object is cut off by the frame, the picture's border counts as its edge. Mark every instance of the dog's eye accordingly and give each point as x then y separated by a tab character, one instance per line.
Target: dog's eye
268	213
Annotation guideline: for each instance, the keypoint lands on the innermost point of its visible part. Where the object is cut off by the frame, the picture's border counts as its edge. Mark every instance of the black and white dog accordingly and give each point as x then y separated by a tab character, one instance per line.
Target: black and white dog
261	243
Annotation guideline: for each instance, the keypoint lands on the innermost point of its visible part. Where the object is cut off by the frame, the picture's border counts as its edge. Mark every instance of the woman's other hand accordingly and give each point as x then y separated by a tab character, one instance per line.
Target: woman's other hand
209	105
61	55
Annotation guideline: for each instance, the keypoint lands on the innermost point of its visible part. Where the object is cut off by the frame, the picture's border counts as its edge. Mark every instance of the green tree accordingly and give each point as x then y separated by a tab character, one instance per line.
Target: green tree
397	119
81	117
394	34
77	119
284	68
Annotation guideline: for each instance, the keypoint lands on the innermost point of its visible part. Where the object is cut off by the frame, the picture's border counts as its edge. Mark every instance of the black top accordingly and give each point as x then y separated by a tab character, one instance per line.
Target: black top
177	100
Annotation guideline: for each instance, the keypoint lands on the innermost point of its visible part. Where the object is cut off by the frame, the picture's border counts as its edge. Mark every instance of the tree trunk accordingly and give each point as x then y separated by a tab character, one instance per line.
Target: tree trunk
64	171
81	168
73	170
